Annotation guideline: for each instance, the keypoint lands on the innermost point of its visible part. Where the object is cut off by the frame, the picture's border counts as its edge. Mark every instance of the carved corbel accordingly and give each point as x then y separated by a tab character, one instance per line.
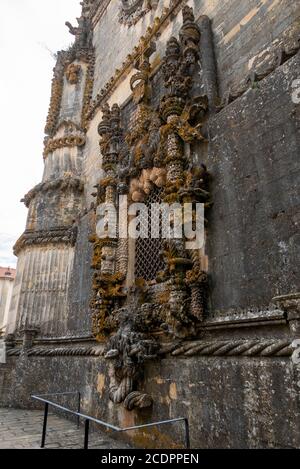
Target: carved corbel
291	305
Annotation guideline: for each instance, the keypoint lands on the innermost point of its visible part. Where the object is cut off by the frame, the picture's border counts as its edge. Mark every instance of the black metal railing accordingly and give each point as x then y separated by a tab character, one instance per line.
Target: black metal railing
87	419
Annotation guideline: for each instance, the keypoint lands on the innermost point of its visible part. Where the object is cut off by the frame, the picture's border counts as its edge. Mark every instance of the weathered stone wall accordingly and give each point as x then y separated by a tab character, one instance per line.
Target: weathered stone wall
230	402
79	318
42	301
244	35
61	161
253	231
232	399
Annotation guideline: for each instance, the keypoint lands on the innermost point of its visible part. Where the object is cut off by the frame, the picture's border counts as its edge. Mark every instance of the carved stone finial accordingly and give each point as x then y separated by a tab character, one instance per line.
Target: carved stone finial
188	15
115	113
104	126
178	66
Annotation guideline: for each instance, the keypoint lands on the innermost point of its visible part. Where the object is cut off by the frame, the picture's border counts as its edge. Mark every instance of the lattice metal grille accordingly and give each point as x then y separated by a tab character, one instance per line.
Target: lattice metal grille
148	261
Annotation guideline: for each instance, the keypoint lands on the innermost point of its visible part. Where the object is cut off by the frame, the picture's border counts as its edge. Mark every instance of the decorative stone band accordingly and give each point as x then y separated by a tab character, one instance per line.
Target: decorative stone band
221	348
236	348
63	142
58	351
63	235
65	183
281	52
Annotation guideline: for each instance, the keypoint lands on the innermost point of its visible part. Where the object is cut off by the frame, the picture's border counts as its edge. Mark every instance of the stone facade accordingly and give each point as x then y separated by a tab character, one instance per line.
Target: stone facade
176	101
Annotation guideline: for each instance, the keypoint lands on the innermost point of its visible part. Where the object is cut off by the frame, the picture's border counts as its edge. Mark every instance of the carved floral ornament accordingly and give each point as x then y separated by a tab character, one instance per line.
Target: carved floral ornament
151	155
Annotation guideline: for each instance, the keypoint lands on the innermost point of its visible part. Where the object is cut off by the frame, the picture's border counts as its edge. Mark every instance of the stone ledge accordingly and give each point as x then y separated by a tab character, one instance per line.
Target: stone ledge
63	235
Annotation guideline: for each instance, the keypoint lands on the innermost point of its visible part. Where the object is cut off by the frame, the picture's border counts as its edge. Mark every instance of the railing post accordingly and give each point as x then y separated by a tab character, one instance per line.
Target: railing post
187	434
45	425
78	409
86	434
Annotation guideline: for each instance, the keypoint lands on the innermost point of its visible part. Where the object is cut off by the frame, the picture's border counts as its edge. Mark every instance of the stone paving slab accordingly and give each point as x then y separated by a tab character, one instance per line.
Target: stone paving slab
22	429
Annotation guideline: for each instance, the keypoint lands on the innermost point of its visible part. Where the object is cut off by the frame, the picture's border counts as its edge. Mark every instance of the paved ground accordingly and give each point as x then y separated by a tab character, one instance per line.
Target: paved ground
22	429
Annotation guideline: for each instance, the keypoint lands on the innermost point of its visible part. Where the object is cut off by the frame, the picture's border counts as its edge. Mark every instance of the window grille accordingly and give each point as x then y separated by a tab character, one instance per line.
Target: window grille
148	260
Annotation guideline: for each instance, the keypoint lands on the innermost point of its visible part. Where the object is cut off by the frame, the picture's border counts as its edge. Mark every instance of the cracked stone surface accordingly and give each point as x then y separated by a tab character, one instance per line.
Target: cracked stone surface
22	429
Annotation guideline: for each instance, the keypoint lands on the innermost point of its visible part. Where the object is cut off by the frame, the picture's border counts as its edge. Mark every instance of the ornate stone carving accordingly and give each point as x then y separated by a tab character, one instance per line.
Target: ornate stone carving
89	7
82	33
150	35
131	11
291	305
56	96
107	283
74	137
73	73
251	348
130	349
63	63
151	154
82	51
178	65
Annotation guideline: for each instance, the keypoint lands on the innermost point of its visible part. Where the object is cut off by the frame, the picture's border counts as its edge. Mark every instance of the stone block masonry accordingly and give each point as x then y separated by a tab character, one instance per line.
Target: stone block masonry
161	102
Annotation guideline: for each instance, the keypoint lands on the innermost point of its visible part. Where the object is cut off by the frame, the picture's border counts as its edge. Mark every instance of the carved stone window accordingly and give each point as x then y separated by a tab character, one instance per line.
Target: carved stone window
149	164
148	260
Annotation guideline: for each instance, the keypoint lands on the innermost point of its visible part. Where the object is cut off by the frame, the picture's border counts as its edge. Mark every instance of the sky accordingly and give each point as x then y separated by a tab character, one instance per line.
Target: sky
31	31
